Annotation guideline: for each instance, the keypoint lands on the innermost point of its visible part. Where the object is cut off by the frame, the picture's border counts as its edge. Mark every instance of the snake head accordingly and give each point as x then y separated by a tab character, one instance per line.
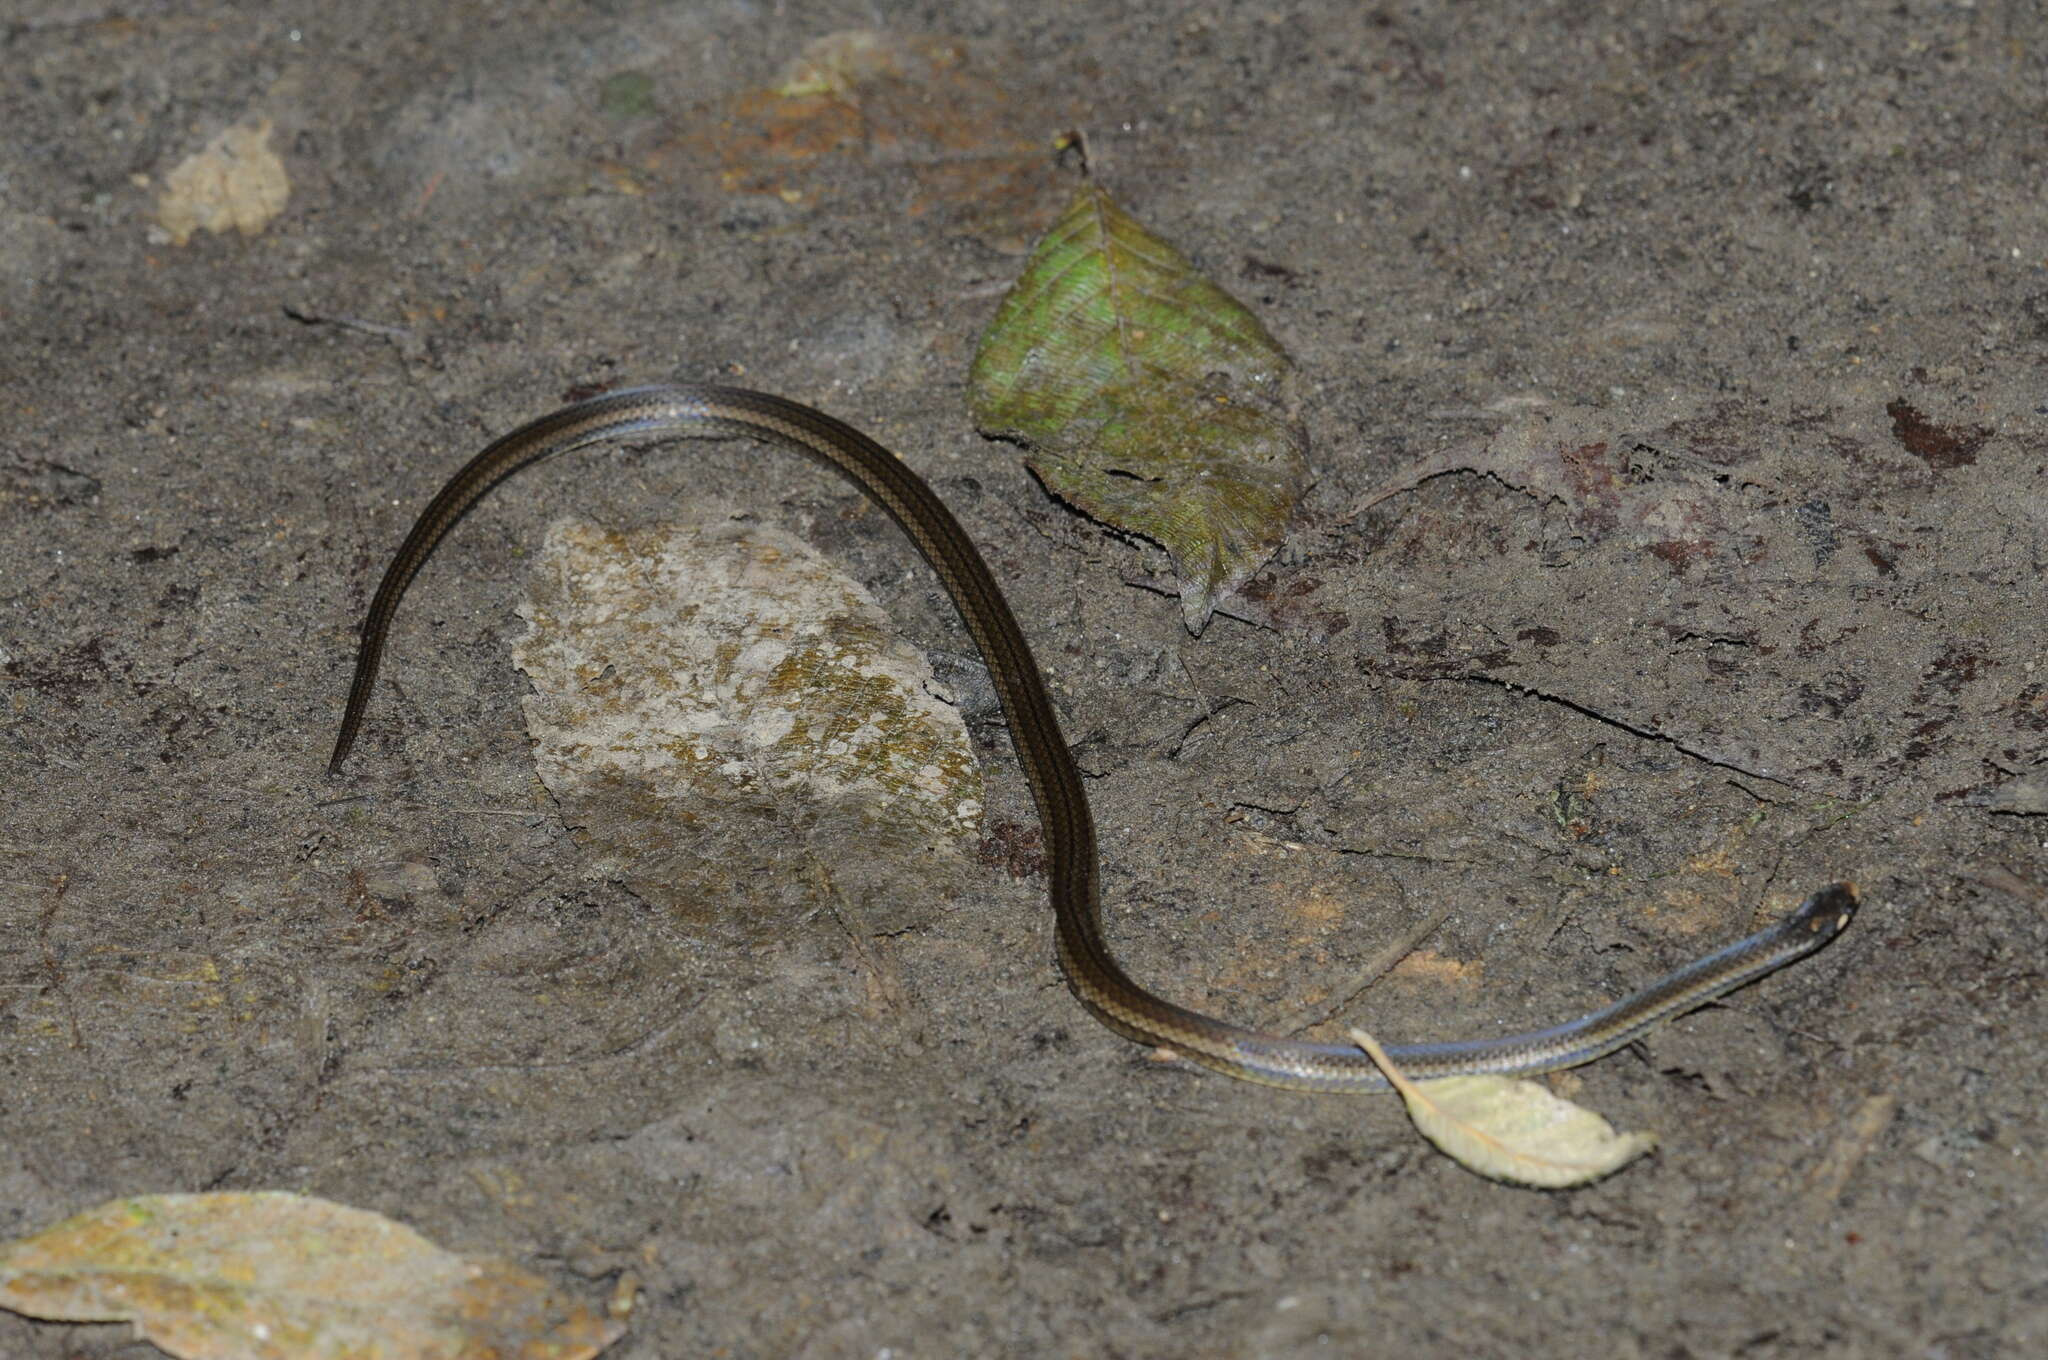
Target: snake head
1827	913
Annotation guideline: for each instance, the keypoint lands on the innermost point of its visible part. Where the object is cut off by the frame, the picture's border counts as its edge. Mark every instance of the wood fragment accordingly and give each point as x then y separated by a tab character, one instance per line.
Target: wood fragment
1824	1184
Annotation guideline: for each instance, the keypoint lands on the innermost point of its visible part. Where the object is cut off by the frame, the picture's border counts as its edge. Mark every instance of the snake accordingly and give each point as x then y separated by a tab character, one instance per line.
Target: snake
1098	981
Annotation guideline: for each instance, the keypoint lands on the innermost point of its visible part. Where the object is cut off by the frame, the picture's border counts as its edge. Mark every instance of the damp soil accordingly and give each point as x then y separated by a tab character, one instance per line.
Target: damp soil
1701	353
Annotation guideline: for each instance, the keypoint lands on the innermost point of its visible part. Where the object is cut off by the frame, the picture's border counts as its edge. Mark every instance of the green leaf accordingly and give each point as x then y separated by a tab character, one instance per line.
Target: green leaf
1149	397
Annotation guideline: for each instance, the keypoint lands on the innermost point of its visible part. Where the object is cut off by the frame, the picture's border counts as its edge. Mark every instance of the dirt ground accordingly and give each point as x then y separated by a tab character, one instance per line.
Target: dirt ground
1723	328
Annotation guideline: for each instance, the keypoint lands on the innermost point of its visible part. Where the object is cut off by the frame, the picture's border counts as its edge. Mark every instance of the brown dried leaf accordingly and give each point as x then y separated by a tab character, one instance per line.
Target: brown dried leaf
274	1276
1575	456
2026	796
947	115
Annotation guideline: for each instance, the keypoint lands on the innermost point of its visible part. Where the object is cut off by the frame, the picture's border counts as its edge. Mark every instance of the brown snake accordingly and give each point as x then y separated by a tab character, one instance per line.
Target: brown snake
1091	969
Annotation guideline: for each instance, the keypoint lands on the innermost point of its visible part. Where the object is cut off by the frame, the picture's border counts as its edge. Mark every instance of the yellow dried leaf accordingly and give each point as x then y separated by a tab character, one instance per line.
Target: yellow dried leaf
237	182
275	1276
1510	1129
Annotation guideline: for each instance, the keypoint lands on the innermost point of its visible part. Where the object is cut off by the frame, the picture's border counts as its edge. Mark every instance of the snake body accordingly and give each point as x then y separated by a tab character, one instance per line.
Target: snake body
1092	971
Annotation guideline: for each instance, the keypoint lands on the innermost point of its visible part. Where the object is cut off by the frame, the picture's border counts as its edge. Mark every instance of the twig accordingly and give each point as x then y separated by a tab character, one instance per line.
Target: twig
1375	968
